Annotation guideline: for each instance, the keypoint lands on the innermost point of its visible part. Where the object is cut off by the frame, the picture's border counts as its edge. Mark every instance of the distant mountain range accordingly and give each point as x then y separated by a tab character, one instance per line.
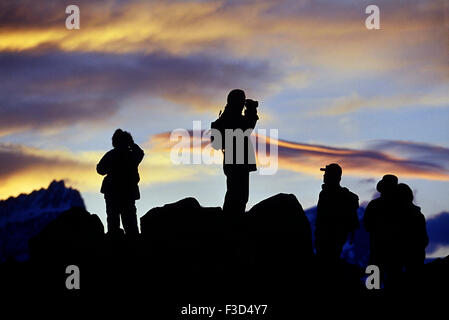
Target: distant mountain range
24	216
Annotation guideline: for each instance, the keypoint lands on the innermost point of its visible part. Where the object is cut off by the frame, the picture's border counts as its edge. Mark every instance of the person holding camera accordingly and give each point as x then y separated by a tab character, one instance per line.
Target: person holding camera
120	186
239	161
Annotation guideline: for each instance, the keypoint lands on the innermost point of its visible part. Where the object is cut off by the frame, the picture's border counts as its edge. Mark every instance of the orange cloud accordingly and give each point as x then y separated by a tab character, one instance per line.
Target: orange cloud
307	158
23	169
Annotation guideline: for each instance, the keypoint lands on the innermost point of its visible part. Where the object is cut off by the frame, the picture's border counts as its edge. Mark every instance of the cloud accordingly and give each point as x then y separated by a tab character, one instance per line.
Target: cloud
361	163
416	150
370	181
23	169
413	39
355	102
59	89
17	158
437	227
308	158
193	52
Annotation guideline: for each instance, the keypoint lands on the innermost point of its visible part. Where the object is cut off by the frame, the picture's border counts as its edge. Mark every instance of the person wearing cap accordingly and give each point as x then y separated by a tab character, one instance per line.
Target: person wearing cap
336	215
382	220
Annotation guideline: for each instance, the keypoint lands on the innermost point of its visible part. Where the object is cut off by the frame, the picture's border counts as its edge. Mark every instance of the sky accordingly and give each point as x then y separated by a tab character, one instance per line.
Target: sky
375	101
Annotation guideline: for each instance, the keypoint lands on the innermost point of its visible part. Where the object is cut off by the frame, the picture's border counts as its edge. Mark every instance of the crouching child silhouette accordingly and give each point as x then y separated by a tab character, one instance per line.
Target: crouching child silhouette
120	186
239	157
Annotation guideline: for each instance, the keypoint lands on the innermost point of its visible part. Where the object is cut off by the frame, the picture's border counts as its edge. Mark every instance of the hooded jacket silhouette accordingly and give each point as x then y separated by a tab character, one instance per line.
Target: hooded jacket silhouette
120	186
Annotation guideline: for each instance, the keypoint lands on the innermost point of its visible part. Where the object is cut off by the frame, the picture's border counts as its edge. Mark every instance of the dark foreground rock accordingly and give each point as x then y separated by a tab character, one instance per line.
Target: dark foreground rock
190	254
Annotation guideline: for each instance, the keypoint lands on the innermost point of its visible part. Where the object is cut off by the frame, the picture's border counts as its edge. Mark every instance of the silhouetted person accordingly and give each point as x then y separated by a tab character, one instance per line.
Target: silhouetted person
120	186
336	215
237	166
414	233
383	222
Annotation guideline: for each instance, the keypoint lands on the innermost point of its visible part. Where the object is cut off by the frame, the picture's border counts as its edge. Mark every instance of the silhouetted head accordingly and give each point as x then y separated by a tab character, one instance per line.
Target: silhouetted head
332	173
405	193
120	139
388	185
236	100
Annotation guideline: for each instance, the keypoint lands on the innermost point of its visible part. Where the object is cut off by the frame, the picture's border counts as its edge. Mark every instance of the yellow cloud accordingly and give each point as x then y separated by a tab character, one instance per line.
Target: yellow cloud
23	169
306	158
36	168
333	37
355	102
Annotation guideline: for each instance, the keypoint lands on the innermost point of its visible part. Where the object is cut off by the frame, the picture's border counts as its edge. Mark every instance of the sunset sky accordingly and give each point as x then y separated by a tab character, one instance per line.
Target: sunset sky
376	101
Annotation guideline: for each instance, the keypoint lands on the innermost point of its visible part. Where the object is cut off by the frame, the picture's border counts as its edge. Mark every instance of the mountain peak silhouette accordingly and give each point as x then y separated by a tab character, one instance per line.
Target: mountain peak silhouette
26	215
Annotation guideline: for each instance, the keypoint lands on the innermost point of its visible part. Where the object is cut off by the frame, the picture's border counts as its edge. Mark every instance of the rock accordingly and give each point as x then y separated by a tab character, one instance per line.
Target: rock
282	231
74	234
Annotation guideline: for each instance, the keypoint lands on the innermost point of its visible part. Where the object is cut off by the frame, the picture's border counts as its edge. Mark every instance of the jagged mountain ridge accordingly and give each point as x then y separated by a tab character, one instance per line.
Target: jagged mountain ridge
26	215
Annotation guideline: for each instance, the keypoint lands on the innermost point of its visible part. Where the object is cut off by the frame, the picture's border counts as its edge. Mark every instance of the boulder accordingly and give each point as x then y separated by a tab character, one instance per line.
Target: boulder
75	233
281	230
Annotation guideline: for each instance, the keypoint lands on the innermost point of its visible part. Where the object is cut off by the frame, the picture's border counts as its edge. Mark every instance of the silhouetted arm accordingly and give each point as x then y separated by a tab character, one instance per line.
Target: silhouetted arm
138	153
104	166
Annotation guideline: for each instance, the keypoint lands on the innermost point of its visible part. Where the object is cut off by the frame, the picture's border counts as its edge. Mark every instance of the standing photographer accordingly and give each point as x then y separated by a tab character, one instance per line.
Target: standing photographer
239	161
120	189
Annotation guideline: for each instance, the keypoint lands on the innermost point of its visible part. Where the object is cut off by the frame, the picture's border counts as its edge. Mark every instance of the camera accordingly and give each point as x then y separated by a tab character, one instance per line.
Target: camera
251	104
